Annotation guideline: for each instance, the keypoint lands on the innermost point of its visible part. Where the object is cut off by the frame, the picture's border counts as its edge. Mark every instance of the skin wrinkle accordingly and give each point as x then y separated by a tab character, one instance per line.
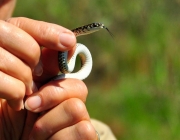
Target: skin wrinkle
39	29
33	50
76	110
43	95
53	93
12	61
78	133
21	92
83	91
14	22
69	115
5	79
33	47
84	126
45	32
43	129
54	31
13	97
76	86
58	91
65	90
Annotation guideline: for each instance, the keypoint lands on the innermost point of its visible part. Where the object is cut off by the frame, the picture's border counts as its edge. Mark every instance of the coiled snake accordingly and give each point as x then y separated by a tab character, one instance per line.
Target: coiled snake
67	66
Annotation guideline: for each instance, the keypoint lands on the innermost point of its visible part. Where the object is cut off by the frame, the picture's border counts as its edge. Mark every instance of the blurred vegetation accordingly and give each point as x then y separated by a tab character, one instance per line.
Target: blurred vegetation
135	83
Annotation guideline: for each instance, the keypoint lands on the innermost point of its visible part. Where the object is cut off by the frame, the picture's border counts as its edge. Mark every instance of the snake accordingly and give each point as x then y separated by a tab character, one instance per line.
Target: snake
66	66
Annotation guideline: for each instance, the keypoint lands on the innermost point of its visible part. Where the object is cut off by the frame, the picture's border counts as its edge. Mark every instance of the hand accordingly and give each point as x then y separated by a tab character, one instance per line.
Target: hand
63	114
68	118
19	54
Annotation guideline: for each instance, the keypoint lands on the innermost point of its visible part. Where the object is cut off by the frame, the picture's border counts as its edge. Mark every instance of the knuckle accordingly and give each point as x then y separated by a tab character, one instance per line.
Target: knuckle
26	76
76	109
81	89
32	57
6	61
38	127
21	92
85	131
18	87
44	30
47	31
12	21
17	21
40	130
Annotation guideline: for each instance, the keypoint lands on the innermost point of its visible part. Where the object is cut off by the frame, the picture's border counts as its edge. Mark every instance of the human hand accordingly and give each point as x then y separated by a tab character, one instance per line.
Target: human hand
19	54
63	101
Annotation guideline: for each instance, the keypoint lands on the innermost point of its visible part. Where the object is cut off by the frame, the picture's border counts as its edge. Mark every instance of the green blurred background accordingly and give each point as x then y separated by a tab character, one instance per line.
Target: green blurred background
135	82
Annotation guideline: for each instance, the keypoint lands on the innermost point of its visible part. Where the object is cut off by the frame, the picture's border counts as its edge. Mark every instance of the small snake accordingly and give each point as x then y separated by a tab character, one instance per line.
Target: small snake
67	66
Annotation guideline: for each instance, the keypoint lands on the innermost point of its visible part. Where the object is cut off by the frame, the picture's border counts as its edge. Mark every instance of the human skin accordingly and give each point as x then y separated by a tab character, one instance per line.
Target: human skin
53	110
6	8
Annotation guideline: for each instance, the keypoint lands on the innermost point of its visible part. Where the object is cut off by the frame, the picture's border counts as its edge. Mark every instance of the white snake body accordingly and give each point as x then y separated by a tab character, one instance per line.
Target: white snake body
66	67
86	62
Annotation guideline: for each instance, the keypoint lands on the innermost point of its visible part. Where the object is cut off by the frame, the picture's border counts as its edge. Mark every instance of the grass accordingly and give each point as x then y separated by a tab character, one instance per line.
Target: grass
135	109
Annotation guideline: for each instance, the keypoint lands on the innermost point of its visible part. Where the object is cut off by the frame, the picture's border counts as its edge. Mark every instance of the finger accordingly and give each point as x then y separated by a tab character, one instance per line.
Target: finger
14	67
48	35
19	43
7	7
13	90
30	119
80	131
54	93
49	59
66	114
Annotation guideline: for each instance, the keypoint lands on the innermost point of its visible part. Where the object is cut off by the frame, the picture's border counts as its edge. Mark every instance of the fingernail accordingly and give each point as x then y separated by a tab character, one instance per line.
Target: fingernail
38	69
67	39
31	88
33	103
34	87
